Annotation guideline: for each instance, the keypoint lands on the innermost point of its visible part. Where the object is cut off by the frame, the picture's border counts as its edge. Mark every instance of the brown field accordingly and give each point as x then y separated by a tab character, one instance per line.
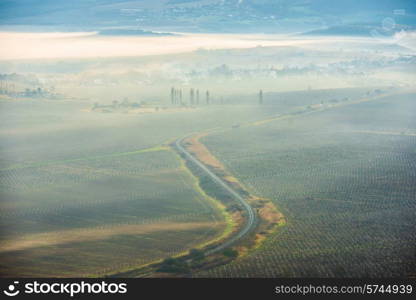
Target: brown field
201	152
95	234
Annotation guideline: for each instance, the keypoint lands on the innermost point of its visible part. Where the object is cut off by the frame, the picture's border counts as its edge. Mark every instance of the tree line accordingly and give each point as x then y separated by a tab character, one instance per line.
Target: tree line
176	97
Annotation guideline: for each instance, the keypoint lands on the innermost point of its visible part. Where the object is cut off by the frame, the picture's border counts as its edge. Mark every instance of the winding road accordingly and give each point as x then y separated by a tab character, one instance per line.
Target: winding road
251	216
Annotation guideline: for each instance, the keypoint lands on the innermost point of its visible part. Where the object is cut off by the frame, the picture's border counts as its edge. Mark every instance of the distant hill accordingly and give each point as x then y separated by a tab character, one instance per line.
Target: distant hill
269	16
132	32
355	30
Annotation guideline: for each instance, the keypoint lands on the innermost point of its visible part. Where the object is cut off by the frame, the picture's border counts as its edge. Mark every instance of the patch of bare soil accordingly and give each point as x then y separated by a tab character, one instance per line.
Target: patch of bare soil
94	234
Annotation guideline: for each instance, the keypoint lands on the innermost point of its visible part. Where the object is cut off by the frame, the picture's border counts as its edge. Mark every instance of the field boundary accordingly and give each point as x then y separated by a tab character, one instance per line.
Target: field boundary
110	155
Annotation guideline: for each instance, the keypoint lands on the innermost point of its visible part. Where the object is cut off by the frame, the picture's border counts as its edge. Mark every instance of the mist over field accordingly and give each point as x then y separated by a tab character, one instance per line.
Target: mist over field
207	138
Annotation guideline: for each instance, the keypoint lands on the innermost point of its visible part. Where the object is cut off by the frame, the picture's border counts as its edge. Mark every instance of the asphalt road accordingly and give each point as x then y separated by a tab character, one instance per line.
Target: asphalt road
250	215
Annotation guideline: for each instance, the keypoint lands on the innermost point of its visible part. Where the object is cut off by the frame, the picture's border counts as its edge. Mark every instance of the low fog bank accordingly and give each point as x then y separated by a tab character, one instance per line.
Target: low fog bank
224	65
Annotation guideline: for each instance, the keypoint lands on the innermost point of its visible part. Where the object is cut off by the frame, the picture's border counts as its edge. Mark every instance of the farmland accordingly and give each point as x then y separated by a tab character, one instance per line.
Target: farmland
78	186
57	215
74	193
345	180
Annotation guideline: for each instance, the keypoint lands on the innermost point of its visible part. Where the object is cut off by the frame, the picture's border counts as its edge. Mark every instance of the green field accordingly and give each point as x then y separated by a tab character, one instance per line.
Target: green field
91	194
77	188
86	211
345	180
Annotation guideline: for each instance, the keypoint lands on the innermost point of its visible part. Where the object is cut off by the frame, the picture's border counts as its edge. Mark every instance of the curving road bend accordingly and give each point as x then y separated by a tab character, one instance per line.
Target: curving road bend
251	216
